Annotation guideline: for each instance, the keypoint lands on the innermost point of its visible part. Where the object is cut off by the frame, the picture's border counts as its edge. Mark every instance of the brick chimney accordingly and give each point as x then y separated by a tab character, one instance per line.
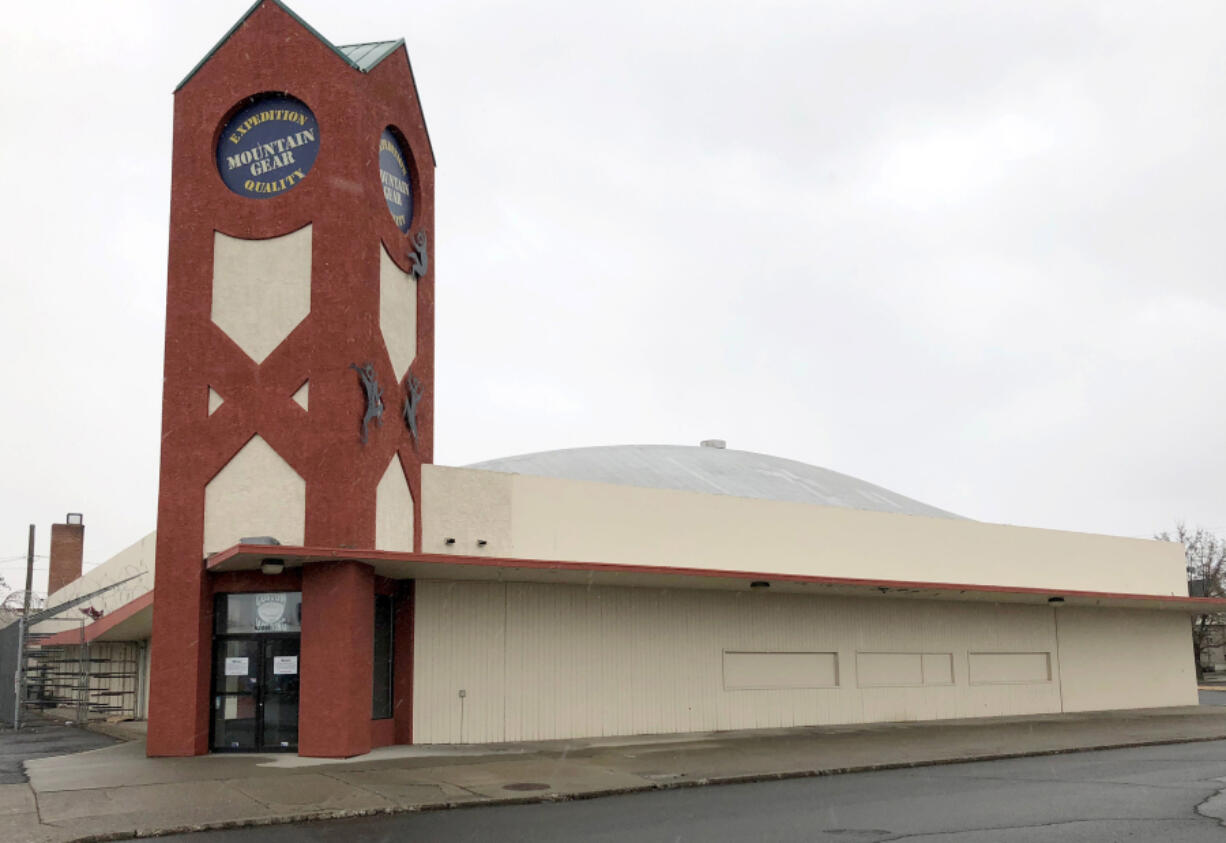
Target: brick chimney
67	551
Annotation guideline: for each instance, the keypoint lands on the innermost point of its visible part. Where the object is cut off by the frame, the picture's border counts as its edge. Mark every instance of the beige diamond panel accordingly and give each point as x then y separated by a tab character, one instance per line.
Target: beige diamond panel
257	493
261	289
397	313
394	509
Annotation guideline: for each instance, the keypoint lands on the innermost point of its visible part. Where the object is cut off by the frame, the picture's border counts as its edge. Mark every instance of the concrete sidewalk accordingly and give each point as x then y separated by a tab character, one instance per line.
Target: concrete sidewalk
116	792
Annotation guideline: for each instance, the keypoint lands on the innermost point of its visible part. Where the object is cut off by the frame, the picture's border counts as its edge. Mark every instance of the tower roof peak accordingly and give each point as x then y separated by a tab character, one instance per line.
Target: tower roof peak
361	57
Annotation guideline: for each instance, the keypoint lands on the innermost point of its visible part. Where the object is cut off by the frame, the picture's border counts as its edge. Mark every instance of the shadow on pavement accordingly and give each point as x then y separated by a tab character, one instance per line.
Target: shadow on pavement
42	738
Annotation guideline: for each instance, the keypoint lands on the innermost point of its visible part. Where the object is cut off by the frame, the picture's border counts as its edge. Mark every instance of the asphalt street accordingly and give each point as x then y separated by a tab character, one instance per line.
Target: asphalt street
1164	793
40	738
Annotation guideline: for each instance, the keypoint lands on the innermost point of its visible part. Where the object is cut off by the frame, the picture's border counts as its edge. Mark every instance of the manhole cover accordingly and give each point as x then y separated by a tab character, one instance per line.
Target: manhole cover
525	786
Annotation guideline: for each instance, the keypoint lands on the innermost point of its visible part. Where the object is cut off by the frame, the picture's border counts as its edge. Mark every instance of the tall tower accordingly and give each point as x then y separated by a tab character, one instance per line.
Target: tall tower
299	371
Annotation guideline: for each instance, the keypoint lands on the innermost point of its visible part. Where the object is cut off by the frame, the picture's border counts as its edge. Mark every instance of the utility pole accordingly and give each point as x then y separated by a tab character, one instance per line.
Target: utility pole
19	677
25	609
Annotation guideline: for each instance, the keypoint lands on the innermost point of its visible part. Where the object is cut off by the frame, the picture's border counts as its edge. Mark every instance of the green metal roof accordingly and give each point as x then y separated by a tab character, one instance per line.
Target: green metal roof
365	56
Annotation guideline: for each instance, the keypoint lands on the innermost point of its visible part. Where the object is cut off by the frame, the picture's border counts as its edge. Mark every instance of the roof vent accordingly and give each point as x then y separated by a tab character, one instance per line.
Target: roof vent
713	443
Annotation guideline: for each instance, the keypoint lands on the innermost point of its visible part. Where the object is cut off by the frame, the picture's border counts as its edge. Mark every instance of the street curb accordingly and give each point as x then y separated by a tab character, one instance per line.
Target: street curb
747	778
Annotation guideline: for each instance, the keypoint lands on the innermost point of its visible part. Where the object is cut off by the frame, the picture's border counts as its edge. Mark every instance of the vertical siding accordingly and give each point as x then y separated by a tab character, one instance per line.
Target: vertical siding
458	645
550	661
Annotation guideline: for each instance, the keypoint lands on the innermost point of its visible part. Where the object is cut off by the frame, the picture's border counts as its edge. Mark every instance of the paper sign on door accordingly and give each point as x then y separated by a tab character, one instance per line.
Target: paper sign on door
236	666
285	664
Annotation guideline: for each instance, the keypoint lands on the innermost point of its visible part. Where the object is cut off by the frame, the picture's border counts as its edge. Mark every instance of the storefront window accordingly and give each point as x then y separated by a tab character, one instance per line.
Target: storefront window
382	706
272	611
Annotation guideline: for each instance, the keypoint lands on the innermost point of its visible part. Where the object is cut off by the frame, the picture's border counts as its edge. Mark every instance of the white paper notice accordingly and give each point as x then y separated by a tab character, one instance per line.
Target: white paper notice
236	666
285	664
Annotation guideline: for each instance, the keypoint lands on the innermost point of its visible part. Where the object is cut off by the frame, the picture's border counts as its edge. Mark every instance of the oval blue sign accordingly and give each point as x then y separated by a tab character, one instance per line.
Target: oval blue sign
394	177
268	147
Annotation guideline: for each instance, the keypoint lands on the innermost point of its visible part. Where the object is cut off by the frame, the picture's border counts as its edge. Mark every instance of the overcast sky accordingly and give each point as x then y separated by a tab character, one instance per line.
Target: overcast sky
971	252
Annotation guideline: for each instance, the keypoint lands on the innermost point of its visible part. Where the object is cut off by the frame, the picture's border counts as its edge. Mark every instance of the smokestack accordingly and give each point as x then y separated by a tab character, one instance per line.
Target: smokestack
67	552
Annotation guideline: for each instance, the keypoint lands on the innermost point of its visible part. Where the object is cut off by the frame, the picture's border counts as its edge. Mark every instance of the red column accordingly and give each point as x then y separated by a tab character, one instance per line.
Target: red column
338	620
181	654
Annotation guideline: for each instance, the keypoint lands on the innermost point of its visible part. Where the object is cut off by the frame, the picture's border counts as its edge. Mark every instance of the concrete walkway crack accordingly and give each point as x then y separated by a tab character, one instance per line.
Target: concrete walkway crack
1213	807
253	798
376	794
38	810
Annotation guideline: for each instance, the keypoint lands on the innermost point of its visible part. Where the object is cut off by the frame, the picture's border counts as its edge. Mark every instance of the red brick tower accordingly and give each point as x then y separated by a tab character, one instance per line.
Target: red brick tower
300	301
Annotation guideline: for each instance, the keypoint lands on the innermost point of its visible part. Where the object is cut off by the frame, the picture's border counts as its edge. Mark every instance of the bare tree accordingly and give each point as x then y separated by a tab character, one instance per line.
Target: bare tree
1206	563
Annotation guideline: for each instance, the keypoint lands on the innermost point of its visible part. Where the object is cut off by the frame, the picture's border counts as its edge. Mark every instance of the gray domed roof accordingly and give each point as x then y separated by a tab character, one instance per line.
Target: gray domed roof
714	470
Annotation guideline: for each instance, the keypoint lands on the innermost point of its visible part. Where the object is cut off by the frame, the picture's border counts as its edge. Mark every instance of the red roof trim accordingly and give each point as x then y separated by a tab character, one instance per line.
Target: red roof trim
317	554
103	624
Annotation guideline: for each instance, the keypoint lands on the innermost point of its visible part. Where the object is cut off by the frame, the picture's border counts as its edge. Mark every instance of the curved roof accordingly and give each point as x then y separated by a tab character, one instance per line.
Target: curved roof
715	471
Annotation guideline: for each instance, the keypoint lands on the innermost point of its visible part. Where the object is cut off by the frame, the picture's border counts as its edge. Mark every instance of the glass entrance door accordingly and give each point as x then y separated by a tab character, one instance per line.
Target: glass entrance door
278	706
236	694
255	671
255	694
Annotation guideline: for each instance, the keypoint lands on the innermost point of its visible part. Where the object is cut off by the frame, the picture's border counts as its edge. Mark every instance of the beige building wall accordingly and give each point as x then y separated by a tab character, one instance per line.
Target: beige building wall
541	661
459	688
545	518
1113	658
133	561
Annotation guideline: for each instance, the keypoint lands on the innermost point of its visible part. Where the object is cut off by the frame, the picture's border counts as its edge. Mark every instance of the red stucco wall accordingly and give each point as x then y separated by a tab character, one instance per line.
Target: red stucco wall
338	622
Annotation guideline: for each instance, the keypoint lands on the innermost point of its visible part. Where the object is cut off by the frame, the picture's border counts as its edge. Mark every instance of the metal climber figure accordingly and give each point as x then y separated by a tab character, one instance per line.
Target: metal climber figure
374	396
412	388
420	255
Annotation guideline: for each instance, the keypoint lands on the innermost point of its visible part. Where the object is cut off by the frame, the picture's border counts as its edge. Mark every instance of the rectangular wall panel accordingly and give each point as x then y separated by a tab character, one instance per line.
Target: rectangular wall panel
887	669
938	668
899	670
755	671
1125	658
1008	668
